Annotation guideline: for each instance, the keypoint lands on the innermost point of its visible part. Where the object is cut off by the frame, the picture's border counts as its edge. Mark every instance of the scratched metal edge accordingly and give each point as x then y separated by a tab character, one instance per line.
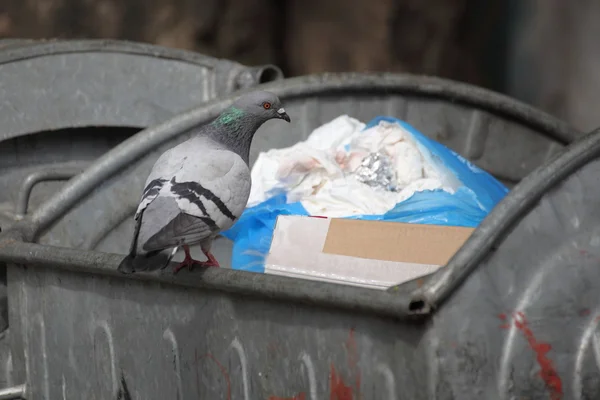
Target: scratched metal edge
16	253
502	219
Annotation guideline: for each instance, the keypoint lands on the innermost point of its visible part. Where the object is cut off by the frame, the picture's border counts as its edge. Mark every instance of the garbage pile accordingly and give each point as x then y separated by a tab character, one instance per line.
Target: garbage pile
383	170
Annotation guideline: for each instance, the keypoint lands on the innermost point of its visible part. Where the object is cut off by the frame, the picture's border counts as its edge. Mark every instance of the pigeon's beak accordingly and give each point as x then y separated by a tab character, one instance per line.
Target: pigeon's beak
283	115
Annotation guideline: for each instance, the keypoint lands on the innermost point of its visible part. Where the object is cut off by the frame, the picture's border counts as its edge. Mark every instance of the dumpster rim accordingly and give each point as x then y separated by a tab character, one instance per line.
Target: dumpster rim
503	218
17	254
36	48
429	86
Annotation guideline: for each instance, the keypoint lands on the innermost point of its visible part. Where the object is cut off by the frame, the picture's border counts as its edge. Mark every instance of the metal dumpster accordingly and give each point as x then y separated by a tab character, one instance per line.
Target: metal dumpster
64	103
513	315
78	329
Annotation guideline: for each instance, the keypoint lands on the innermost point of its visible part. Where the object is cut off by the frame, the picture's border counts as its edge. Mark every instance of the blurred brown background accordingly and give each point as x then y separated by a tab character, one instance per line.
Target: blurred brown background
438	37
541	51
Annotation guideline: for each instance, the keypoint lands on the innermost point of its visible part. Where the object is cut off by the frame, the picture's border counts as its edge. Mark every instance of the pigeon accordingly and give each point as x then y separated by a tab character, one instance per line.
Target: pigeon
199	188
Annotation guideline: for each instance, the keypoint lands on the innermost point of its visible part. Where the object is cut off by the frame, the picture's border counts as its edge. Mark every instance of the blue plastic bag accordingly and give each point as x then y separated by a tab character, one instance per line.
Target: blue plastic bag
478	192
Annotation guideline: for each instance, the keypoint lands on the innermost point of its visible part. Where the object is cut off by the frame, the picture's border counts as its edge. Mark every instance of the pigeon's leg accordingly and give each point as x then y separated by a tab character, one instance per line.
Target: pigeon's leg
188	261
211	260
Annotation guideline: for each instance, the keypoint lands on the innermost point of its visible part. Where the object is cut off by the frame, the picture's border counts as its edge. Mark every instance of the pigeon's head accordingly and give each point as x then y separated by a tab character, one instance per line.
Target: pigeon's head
235	126
263	105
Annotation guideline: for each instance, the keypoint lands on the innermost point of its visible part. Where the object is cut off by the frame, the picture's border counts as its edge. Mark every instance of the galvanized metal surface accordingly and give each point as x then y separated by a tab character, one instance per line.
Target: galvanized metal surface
14	393
6	365
54	92
49	85
162	341
507	138
528	309
523	323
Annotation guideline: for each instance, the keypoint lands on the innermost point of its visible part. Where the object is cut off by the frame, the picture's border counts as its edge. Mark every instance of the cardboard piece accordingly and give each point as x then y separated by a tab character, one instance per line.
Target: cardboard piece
373	254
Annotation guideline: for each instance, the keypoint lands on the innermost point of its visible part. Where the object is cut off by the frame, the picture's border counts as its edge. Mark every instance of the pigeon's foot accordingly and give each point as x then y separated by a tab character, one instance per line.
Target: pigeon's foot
185	263
211	260
188	261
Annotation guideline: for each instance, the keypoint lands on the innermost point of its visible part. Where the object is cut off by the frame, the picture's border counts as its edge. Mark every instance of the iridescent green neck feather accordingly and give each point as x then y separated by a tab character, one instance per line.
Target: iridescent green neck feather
235	128
231	116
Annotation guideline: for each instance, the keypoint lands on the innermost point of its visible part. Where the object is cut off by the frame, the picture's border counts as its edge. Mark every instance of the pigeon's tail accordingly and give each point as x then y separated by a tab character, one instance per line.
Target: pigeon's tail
127	264
144	262
150	261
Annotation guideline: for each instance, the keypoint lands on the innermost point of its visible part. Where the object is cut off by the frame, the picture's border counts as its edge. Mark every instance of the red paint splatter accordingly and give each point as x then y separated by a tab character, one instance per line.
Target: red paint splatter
299	396
597	319
584	312
353	358
503	318
351	348
583	252
548	372
221	367
338	390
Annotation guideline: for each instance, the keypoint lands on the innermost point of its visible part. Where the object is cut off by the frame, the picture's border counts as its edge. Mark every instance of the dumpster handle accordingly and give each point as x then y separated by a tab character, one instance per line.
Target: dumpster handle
56	173
108	164
501	220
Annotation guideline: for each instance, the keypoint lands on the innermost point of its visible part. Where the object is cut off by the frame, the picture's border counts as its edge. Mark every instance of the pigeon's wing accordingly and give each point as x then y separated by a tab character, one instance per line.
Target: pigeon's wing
209	184
180	229
167	165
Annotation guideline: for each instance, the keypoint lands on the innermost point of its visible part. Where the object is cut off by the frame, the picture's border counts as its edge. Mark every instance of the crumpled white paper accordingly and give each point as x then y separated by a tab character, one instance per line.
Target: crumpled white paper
319	171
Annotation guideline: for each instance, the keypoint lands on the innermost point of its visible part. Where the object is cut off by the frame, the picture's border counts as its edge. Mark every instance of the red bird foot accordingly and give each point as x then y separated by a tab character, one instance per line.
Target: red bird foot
189	262
211	260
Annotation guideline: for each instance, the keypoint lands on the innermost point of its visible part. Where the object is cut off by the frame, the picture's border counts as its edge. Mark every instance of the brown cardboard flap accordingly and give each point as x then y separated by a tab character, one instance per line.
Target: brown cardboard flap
393	241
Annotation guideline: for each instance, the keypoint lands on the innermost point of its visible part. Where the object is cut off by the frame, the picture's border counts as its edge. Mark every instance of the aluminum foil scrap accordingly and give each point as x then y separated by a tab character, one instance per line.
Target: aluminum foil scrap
376	170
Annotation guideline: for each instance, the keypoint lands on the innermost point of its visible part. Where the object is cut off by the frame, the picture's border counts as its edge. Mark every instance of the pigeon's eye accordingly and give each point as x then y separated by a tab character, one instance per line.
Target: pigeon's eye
266	105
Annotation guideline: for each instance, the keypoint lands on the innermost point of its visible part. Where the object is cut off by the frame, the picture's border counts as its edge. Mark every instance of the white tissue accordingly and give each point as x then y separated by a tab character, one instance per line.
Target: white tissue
318	171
